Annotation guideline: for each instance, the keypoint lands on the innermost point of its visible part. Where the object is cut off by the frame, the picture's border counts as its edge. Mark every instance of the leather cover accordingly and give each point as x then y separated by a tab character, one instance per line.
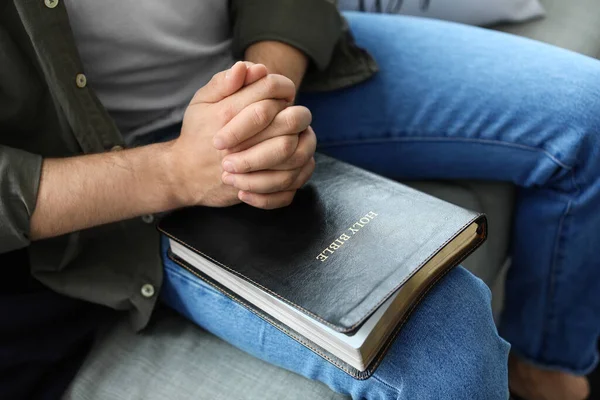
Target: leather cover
348	241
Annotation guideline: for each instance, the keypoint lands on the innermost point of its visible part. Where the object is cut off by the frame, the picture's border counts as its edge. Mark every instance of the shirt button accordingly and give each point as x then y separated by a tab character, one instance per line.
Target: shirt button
80	79
116	148
51	3
148	218
147	290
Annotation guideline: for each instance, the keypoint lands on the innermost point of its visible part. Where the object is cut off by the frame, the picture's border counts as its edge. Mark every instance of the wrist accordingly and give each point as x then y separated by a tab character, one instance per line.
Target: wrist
170	172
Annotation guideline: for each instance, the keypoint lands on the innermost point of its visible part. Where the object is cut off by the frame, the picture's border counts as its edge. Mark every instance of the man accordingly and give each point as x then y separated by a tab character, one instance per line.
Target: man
241	140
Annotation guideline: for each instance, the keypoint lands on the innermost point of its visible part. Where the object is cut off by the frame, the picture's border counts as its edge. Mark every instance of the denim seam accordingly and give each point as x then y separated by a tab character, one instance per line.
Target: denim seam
549	307
549	315
449	139
390	387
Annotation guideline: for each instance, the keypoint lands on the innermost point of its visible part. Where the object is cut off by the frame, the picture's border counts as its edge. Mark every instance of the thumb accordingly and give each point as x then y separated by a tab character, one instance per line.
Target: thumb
222	84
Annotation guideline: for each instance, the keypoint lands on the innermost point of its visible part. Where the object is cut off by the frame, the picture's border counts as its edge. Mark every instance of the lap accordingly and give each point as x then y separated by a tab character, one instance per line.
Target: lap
452	101
450	336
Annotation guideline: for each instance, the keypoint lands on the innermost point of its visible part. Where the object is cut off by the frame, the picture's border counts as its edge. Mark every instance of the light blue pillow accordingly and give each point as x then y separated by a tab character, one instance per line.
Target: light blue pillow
474	12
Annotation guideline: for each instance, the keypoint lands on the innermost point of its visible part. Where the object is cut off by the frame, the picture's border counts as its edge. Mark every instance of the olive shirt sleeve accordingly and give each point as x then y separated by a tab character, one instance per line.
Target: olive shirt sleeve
19	181
312	26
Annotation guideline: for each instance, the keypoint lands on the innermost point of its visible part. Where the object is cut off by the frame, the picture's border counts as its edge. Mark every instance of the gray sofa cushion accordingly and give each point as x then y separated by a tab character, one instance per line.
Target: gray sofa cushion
475	12
572	24
174	359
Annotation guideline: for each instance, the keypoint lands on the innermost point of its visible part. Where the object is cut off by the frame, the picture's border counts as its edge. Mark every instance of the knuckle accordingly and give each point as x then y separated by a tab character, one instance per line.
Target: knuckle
296	160
235	136
245	165
261	115
305	154
225	114
230	135
300	157
292	121
271	83
265	202
287	145
287	181
246	185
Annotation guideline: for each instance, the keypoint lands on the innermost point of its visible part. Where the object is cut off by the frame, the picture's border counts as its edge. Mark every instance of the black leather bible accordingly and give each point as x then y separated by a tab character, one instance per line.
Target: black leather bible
339	270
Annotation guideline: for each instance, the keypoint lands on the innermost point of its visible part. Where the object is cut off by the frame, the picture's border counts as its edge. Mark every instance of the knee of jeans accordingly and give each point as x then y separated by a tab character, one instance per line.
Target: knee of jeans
580	119
450	347
484	375
485	354
470	358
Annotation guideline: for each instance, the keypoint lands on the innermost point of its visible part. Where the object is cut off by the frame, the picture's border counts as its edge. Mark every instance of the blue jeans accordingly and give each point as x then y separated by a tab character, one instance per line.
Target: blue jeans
454	102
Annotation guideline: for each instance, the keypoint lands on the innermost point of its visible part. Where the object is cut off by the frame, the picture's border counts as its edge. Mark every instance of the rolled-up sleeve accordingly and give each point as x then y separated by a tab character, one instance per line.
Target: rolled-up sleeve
20	173
312	26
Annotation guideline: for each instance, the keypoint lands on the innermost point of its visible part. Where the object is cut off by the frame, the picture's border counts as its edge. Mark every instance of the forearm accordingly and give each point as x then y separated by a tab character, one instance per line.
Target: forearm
279	58
81	192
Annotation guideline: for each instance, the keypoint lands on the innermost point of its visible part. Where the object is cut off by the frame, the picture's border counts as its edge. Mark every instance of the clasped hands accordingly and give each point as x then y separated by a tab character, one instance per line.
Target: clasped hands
243	140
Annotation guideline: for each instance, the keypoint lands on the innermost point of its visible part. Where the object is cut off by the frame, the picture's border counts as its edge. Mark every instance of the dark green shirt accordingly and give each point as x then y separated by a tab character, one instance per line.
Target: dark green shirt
47	110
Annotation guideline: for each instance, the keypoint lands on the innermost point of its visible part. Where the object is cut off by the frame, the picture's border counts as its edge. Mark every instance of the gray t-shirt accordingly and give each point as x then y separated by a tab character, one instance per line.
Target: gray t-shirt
145	59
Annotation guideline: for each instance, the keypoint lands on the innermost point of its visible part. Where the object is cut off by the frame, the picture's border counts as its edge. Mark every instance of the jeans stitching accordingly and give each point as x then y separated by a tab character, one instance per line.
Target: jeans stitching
549	314
448	139
393	389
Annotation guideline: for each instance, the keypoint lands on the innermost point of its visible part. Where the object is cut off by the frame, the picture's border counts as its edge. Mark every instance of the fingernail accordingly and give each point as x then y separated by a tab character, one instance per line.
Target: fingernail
228	166
228	179
219	143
